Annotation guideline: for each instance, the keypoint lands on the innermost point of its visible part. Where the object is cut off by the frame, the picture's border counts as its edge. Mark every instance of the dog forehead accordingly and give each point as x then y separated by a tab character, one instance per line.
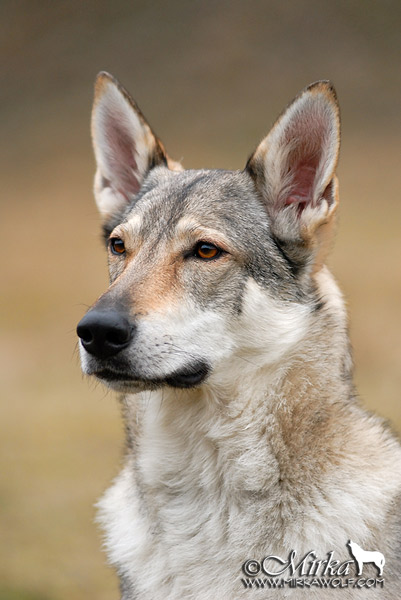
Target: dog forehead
211	197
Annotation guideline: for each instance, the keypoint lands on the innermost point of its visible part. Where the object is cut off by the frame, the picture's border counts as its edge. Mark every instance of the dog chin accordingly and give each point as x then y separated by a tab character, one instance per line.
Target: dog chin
190	376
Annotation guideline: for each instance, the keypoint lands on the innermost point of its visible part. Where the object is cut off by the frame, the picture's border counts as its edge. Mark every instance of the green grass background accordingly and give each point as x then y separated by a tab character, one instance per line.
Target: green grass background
211	78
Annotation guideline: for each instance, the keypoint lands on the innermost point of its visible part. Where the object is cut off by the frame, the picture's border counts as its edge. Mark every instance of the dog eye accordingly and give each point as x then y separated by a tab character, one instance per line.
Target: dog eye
207	251
117	246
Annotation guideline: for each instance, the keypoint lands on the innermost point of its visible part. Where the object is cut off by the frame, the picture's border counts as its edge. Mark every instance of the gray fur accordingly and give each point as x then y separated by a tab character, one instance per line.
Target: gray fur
271	450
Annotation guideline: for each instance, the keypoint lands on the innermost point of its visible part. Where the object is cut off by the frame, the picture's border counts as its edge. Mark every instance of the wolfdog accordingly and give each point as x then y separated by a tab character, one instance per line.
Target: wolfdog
247	449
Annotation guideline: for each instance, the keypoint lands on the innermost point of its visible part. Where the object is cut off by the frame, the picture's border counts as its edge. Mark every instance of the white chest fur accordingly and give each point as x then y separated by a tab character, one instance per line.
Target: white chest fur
202	494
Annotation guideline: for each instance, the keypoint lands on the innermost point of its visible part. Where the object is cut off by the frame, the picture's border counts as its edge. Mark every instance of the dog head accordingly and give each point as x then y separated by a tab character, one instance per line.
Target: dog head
206	265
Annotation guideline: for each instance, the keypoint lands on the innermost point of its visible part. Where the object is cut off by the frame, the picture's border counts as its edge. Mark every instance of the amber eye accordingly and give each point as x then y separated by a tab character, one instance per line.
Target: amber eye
207	251
117	246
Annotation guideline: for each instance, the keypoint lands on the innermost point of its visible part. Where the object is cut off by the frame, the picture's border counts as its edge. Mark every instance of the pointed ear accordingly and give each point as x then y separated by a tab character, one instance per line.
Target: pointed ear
125	147
294	171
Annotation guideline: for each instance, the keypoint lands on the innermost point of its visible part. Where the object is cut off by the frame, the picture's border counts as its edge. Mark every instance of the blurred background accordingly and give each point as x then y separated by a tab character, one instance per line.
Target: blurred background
211	77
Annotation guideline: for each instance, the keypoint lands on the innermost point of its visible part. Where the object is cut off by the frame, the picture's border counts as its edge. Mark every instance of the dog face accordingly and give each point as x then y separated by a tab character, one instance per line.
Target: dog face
206	267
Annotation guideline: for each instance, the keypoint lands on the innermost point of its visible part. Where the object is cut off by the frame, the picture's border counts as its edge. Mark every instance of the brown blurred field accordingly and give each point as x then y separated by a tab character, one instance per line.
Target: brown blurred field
211	78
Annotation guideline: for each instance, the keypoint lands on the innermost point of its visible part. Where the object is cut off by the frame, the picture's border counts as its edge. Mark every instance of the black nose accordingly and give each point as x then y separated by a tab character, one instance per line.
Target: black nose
104	333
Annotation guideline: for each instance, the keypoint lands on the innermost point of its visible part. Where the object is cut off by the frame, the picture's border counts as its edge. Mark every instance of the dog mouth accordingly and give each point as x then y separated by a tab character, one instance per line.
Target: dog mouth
190	376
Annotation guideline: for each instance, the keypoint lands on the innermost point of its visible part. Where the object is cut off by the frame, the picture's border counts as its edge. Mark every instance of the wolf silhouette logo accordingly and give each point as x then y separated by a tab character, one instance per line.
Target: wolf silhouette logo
364	556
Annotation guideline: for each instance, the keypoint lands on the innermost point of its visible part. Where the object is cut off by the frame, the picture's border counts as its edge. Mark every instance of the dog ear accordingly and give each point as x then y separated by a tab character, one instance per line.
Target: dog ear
126	148
294	172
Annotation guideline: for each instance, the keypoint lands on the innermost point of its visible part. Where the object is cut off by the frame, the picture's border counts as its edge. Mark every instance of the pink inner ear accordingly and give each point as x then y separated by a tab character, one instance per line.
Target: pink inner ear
121	158
303	177
306	135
